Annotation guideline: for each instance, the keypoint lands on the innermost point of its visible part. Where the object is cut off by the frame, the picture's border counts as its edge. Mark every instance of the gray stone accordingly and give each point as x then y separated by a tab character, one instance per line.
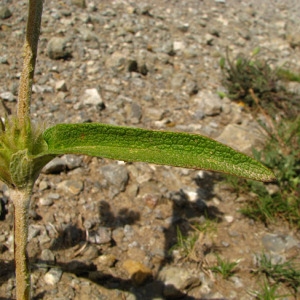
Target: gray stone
190	87
117	62
73	187
101	236
134	112
191	52
79	3
294	40
167	48
55	166
278	243
208	102
240	137
91	252
43	185
8	96
59	47
116	175
33	231
109	12
237	281
90	37
5	13
3	59
184	27
128	231
72	161
178	80
293	87
176	280
209	39
42	88
144	8
47	256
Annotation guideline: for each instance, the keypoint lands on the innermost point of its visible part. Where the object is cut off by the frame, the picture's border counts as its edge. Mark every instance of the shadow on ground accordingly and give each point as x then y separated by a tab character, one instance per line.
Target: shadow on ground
183	212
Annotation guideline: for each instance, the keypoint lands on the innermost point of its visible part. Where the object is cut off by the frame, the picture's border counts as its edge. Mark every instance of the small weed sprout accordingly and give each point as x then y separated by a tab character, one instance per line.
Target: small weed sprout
224	267
268	292
285	273
251	73
207	227
184	244
247	73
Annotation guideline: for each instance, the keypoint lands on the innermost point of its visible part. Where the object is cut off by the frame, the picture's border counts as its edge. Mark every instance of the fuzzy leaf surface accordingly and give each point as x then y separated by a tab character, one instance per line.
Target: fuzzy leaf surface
158	147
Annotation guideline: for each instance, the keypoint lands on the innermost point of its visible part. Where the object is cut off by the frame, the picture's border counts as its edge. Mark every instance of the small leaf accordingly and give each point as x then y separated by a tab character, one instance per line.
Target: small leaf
24	169
222	63
158	147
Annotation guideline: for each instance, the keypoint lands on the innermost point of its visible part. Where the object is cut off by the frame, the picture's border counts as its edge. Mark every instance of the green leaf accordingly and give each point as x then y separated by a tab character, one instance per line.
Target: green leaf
158	147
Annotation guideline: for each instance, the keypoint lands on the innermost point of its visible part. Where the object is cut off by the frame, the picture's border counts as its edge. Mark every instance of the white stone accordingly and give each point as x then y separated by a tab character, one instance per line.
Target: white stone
61	86
229	219
8	96
53	276
92	97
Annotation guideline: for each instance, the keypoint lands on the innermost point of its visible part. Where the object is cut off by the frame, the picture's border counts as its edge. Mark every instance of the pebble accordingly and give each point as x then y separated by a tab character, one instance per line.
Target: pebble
8	96
278	243
73	187
79	3
117	62
240	137
72	161
90	253
3	59
55	166
53	276
116	175
138	272
101	236
46	201
107	260
43	185
176	280
229	218
92	97
208	102
237	281
61	86
59	47
47	256
5	12
33	231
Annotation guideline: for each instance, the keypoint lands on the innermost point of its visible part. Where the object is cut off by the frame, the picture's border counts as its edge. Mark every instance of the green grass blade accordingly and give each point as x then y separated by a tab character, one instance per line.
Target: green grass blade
159	147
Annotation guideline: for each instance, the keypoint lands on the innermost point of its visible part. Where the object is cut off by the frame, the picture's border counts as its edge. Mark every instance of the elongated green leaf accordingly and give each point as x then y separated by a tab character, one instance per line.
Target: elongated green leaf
159	147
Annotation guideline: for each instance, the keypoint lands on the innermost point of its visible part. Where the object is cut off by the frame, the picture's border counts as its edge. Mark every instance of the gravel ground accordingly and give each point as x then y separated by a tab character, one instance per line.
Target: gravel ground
101	229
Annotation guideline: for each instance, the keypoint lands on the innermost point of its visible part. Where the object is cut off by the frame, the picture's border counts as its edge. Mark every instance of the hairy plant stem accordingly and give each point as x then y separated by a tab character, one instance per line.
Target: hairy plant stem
30	54
21	197
21	201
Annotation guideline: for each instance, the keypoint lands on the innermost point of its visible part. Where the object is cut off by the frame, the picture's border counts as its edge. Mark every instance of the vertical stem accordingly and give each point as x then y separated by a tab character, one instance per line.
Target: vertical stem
21	200
30	53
